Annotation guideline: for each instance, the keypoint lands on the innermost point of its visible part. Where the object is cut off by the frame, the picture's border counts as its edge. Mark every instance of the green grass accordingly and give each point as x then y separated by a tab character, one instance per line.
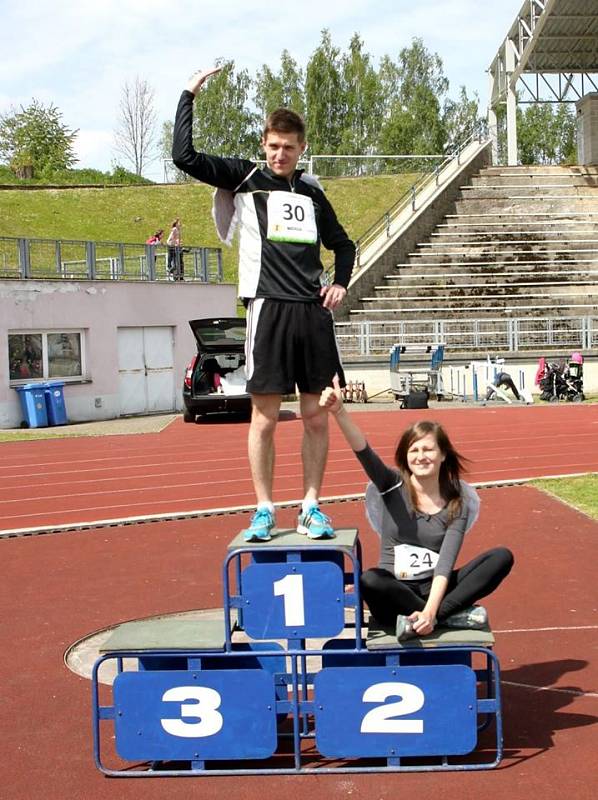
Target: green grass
131	214
581	492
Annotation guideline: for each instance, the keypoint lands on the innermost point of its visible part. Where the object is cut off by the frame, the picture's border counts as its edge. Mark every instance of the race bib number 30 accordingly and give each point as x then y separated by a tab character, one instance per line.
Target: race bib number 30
291	218
413	562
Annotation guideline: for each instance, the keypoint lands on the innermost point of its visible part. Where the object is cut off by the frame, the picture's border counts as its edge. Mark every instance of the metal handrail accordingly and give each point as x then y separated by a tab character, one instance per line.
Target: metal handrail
384	222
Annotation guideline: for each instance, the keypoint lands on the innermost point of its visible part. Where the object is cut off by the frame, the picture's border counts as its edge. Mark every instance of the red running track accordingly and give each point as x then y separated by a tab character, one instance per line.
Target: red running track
188	468
58	588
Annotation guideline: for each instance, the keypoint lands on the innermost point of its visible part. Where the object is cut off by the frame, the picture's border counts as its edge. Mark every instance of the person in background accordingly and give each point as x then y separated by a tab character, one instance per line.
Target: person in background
175	266
156	238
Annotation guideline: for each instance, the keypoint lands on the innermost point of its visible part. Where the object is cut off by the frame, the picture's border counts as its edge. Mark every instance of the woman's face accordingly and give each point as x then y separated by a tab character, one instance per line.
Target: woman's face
425	457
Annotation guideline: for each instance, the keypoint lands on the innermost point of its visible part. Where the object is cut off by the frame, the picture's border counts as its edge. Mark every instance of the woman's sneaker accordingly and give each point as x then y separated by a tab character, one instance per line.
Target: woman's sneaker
315	525
262	523
404	628
475	617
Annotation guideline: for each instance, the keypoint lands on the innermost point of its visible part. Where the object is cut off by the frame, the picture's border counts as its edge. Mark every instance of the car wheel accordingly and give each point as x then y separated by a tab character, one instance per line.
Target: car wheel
188	417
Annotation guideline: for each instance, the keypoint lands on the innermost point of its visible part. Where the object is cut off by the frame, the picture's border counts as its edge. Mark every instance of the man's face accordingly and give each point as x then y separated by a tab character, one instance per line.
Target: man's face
283	151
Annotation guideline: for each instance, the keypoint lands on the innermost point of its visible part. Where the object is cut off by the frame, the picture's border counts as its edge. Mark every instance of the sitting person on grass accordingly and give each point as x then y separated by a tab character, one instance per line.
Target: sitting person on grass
423	513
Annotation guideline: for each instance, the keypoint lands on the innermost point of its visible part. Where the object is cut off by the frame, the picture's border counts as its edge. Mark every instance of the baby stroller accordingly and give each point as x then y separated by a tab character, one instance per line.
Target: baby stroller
561	380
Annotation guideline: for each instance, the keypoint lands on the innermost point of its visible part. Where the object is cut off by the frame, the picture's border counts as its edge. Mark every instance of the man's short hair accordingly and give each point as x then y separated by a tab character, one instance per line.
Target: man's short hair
283	120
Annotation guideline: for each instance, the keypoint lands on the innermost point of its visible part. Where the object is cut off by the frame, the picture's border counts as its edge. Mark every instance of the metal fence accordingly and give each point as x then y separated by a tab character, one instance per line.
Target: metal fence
85	260
363	339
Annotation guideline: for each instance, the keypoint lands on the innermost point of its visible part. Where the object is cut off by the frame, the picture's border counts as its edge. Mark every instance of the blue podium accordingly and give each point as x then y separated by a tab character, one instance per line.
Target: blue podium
286	682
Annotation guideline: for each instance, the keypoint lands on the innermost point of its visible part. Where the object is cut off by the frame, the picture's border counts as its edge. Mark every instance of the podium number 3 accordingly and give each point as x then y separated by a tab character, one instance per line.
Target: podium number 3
291	588
204	708
380	719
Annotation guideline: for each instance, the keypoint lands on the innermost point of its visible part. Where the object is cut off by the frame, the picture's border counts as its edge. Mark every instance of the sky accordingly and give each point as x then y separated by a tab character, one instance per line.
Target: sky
77	54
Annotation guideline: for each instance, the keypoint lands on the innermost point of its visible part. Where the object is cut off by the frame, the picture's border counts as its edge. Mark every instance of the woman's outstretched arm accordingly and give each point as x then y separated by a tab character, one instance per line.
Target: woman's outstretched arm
331	400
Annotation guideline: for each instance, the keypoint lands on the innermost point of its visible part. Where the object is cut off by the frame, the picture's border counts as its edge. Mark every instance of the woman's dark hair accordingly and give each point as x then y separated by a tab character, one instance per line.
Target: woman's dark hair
450	469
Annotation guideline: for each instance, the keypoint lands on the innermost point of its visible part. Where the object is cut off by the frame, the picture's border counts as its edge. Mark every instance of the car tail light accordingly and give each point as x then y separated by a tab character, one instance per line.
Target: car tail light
189	372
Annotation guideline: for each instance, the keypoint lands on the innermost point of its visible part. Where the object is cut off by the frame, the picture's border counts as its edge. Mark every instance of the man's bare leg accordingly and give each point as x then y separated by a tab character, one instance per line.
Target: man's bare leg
314	453
260	443
314	450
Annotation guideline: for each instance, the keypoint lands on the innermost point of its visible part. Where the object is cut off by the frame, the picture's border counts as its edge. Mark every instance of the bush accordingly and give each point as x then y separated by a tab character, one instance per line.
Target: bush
69	177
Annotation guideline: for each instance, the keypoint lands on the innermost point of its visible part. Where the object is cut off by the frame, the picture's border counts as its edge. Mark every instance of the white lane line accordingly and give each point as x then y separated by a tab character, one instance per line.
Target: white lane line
557	628
574	692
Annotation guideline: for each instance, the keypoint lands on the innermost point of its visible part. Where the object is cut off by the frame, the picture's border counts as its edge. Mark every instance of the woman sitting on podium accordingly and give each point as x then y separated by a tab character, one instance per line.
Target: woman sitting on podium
422	510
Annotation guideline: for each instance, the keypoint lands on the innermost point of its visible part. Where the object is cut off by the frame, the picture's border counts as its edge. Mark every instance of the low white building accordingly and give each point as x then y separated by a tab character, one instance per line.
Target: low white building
120	347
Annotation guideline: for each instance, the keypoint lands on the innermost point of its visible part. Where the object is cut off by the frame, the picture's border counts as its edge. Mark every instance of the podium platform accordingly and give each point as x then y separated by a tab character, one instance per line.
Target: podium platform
271	688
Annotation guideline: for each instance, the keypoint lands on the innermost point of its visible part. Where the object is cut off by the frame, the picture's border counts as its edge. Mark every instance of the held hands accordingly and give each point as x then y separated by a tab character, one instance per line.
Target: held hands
331	397
423	622
333	295
199	78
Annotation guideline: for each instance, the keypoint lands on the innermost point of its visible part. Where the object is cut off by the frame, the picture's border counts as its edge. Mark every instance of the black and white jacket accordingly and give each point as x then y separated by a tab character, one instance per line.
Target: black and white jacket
278	269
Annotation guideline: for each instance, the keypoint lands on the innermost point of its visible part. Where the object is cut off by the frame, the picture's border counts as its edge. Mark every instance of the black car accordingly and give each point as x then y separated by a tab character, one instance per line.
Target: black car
215	378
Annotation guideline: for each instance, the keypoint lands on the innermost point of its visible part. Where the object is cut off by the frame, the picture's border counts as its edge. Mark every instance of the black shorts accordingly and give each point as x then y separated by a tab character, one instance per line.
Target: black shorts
290	344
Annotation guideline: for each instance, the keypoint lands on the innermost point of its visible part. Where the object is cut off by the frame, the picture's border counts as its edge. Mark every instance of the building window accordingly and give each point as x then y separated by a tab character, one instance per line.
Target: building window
45	354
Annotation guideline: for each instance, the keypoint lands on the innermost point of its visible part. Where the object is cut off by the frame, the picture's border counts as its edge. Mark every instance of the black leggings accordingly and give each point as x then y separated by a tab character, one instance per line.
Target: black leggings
386	596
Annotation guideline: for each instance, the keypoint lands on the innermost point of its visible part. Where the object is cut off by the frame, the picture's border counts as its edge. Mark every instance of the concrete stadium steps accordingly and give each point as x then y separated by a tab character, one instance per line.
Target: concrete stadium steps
522	241
457	281
527	203
416	309
514	192
522	257
540	170
521	224
482	295
456	246
533	181
500	238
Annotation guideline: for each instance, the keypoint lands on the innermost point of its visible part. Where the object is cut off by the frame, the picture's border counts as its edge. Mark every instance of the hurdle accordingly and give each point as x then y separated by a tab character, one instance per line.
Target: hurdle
305	691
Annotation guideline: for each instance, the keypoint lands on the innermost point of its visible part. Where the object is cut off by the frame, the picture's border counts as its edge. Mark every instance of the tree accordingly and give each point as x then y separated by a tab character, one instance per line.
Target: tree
362	100
323	90
34	142
462	119
223	123
135	134
546	136
283	89
413	119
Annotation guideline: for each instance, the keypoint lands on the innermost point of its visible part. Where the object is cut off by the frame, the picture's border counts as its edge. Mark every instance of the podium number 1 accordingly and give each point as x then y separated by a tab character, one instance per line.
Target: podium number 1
291	588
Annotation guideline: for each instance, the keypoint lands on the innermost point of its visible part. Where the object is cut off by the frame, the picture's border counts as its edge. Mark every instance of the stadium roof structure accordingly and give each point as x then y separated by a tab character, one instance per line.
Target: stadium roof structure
550	54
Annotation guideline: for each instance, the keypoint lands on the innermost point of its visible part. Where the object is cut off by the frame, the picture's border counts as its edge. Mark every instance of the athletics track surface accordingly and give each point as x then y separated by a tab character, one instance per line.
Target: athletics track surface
187	468
57	588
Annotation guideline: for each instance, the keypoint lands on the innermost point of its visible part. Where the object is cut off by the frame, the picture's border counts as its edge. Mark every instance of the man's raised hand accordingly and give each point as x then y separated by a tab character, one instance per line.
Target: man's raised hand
199	78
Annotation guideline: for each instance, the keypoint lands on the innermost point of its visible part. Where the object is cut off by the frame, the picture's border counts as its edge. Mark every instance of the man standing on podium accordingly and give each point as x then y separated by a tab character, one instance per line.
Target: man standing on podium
283	216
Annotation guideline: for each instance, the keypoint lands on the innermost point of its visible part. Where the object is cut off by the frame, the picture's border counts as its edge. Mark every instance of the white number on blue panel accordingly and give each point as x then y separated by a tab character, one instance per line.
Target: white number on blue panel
381	719
207	701
291	589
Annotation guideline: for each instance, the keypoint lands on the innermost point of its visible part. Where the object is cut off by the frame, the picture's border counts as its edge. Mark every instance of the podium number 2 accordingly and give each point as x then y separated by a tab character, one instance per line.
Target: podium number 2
204	708
291	588
380	719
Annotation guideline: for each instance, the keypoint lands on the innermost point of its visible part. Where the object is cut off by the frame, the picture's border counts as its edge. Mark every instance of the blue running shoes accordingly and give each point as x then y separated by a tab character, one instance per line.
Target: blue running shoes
262	523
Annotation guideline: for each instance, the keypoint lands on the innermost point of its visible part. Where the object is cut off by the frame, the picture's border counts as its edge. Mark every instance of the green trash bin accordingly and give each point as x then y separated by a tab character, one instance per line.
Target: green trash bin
33	403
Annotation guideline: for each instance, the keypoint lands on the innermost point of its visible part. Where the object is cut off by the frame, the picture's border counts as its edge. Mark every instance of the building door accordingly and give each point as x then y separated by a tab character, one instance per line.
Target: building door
146	370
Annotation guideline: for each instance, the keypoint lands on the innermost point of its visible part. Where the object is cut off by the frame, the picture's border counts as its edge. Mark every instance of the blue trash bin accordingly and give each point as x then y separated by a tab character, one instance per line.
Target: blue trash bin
55	407
33	403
